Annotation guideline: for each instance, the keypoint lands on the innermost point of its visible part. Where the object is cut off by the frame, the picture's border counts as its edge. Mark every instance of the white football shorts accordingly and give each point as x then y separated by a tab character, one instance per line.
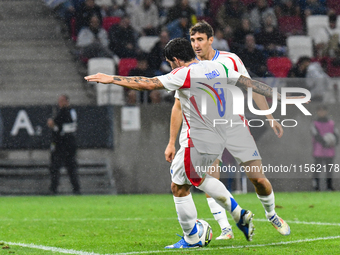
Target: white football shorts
241	144
189	166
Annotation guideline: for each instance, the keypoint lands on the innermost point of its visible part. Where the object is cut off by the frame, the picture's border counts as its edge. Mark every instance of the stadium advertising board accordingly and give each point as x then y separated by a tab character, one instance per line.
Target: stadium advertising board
25	127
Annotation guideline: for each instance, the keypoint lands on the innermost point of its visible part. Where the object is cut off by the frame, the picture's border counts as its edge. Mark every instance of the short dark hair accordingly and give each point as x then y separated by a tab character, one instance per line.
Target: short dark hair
303	59
179	48
202	27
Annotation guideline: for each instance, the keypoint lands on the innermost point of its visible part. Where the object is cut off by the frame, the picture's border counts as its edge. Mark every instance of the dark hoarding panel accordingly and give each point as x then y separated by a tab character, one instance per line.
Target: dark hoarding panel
25	127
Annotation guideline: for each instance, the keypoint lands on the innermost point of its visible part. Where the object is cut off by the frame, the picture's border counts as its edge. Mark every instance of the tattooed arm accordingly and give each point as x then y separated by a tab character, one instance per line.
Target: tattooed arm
258	87
136	83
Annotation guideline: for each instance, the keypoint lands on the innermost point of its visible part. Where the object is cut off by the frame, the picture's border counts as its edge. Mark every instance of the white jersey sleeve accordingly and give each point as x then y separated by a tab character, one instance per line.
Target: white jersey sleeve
233	77
176	79
232	61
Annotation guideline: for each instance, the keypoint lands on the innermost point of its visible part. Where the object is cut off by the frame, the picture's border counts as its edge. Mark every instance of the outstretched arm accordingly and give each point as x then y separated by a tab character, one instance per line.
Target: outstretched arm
175	124
136	83
258	87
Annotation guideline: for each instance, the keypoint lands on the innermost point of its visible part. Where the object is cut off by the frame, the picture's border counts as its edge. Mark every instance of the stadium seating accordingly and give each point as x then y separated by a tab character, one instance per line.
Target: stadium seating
102	65
279	66
106	93
125	65
314	24
146	43
298	46
290	25
109	21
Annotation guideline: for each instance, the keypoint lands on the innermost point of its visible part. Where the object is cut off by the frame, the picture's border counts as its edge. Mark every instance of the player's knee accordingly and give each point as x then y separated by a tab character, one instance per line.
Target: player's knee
260	182
180	190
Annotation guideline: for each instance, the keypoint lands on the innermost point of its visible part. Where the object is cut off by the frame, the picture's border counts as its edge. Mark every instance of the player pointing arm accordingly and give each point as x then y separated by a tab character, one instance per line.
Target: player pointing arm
143	83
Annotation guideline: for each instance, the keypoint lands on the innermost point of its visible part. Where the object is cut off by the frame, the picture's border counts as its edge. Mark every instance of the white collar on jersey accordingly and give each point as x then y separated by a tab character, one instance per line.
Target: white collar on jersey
217	53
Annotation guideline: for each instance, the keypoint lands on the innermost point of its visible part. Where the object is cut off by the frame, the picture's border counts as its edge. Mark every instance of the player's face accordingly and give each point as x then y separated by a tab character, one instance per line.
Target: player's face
201	44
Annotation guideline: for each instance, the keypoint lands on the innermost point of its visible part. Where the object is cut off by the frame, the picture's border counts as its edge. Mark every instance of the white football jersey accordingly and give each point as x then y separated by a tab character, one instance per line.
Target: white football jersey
202	88
232	62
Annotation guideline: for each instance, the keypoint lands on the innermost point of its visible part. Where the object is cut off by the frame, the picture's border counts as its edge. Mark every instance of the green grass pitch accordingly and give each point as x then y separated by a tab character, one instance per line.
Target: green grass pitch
144	224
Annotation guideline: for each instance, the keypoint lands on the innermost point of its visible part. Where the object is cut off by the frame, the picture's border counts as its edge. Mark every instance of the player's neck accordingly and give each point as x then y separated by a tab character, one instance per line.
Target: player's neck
210	54
194	61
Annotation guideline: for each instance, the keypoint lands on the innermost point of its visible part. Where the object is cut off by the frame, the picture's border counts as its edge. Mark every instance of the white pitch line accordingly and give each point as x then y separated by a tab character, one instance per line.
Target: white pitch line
52	249
71	251
231	247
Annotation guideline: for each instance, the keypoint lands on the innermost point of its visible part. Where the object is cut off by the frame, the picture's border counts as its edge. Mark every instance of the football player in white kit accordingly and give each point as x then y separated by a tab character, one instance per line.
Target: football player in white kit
201	36
192	78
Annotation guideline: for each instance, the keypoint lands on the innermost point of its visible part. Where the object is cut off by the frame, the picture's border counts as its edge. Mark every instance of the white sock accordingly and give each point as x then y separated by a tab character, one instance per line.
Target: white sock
187	216
222	196
268	203
219	213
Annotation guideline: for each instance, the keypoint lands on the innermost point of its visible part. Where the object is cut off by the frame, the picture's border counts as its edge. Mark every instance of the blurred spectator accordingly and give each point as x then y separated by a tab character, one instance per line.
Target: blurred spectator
318	82
145	18
240	34
325	138
299	70
122	39
315	7
117	10
253	58
199	7
105	6
156	57
93	40
131	5
328	40
230	14
180	10
179	28
219	43
62	9
270	37
142	69
314	78
65	11
87	10
287	8
258	14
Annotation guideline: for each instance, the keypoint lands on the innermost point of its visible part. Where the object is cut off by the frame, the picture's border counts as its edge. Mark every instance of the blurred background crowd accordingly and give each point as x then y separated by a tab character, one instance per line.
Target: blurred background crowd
274	38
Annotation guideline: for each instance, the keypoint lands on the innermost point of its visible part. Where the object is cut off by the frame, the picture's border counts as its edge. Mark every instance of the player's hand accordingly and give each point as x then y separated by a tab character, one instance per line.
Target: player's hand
170	152
99	77
276	126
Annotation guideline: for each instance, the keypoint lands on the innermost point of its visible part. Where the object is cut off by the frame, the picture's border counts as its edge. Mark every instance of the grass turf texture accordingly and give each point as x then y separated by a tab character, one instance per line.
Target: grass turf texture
144	224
